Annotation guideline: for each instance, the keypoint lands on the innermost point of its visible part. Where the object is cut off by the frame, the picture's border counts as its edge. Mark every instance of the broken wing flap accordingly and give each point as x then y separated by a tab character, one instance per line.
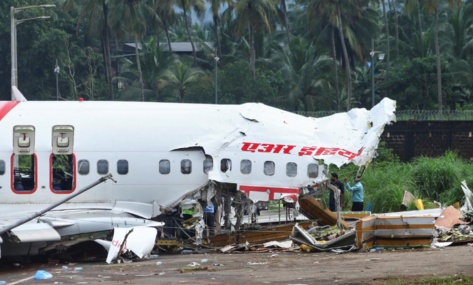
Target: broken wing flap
139	240
34	232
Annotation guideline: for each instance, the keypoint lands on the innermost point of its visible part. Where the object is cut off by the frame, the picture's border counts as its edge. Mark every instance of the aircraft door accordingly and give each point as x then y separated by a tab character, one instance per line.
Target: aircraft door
62	171
23	140
63	139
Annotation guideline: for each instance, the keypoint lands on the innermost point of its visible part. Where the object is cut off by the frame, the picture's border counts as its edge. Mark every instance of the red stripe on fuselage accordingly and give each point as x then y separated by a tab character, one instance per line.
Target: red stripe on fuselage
6	107
272	190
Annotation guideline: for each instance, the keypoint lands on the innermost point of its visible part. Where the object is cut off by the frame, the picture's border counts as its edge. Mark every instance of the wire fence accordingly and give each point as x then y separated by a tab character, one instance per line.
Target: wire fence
413	115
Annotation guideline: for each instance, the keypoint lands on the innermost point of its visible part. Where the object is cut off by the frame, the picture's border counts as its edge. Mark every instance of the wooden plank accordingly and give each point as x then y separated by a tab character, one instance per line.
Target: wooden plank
313	209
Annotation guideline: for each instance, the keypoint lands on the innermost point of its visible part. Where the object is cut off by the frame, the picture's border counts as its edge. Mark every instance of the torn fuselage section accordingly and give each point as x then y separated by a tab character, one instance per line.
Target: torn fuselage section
255	153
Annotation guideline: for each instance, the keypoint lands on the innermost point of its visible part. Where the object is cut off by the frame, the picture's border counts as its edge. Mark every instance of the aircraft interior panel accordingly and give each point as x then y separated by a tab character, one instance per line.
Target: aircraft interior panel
24	173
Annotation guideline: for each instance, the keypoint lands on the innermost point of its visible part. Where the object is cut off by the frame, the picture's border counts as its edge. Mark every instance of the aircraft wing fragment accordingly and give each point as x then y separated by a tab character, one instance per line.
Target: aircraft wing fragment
33	232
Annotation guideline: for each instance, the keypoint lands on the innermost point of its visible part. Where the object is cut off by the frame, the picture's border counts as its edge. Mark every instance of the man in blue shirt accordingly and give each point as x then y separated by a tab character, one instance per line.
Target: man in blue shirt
357	194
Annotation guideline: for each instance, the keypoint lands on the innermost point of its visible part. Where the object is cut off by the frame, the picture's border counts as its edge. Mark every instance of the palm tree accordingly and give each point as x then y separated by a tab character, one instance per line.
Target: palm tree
155	62
335	71
97	14
165	11
199	8
460	22
307	71
393	7
179	77
333	12
432	7
409	7
215	6
253	16
388	40
130	17
283	15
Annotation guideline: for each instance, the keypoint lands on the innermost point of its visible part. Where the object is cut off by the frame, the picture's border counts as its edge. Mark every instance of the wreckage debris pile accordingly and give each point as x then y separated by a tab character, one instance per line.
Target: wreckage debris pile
325	233
460	230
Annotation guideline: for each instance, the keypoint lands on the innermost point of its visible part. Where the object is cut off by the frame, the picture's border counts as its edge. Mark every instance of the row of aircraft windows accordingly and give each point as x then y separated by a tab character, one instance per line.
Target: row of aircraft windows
63	170
186	167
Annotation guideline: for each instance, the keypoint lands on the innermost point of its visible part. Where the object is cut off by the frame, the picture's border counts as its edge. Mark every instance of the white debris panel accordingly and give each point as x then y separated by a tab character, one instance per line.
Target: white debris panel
264	132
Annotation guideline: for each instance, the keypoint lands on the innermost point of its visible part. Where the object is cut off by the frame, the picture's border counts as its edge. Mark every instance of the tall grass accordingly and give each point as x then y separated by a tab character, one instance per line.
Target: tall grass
435	176
430	179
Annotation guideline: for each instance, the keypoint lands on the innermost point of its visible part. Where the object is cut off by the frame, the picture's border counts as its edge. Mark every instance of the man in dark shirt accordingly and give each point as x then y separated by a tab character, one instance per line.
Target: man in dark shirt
341	187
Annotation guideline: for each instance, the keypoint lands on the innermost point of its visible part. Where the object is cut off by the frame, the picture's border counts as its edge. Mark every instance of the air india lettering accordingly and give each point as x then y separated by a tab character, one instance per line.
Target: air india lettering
303	151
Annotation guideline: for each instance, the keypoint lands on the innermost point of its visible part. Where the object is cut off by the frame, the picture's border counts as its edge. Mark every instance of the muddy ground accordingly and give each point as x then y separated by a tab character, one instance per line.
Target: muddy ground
271	267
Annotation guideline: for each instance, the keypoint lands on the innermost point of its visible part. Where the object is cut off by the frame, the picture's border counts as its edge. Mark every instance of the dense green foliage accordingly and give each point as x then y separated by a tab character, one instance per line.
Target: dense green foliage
303	55
430	179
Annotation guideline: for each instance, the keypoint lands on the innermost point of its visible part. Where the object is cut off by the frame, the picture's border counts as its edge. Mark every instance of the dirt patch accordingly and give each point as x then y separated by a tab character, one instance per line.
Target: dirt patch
272	267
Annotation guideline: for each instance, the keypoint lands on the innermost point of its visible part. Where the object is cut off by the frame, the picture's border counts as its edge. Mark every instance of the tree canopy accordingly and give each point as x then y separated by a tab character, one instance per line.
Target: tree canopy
303	55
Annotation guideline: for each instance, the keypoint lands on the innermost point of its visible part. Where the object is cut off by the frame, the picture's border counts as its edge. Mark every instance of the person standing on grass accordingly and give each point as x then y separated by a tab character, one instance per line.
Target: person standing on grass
357	194
332	202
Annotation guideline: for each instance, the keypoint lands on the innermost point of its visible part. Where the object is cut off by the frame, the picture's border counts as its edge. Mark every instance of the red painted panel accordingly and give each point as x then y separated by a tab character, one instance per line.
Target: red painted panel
6	106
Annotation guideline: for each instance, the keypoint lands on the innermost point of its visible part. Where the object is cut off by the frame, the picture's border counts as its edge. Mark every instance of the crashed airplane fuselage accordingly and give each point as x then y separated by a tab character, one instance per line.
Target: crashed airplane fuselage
162	153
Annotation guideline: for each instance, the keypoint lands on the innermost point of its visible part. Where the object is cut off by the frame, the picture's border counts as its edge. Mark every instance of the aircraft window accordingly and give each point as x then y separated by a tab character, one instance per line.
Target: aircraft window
2	167
62	169
291	169
122	166
208	164
164	166
269	168
102	166
225	165
186	166
84	167
245	166
312	170
24	172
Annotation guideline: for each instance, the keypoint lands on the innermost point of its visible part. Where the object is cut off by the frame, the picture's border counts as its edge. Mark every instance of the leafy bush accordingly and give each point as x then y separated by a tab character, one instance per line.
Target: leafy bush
385	187
436	176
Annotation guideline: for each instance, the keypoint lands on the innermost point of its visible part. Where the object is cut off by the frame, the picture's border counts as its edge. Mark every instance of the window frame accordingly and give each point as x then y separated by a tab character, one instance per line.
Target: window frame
161	167
99	167
3	167
79	163
265	168
126	167
288	169
309	170
243	168
183	166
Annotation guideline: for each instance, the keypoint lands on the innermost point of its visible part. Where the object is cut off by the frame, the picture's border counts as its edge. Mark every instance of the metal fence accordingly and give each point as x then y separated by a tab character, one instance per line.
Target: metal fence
413	115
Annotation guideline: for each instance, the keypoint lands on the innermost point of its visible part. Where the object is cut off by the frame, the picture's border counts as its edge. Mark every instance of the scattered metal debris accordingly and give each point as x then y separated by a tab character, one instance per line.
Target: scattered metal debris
395	231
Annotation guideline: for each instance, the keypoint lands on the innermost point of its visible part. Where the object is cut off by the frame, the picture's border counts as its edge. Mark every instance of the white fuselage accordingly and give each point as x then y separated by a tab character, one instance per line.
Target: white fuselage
143	134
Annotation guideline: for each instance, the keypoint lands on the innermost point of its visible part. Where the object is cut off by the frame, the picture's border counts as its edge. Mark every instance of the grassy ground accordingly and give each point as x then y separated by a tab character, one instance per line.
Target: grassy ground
433	280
